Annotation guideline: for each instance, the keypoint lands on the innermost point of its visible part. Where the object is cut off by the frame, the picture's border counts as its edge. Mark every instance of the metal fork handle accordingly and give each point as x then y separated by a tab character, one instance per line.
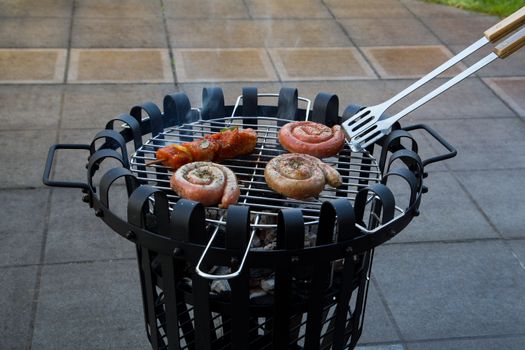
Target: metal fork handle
503	50
437	71
494	33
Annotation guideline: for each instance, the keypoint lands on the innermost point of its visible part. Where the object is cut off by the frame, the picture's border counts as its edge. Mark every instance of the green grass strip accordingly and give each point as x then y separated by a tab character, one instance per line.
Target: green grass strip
500	8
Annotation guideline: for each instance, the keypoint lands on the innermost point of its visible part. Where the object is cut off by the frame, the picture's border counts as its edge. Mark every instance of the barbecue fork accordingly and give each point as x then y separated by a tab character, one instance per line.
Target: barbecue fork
370	124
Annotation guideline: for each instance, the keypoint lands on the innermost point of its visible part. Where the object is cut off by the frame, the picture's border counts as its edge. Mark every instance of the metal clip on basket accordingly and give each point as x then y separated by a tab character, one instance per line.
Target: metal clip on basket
308	291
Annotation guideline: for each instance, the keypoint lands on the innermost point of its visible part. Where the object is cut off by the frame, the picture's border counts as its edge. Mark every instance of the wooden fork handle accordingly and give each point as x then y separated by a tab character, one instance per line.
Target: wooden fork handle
506	26
511	44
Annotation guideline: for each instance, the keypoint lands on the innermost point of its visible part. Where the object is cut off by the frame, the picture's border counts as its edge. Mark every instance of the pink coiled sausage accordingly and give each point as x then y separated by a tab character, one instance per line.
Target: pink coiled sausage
312	138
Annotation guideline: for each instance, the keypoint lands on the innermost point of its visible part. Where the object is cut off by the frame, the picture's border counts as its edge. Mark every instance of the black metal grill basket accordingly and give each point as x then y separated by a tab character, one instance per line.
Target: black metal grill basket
269	272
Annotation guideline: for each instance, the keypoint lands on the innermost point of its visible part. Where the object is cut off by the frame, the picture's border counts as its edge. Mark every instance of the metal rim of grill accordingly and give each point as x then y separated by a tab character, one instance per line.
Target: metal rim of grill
264	202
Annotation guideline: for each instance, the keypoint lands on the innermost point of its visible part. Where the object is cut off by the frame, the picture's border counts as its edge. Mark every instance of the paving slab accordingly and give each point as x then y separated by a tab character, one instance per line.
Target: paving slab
367	9
30	106
24	219
511	90
30	66
75	234
484	143
377	326
225	9
92	106
30	8
447	214
518	248
91	305
31	146
441	291
34	32
388	32
218	65
90	66
424	9
485	343
320	64
287	9
460	30
408	61
381	347
110	33
122	9
499	194
255	33
16	302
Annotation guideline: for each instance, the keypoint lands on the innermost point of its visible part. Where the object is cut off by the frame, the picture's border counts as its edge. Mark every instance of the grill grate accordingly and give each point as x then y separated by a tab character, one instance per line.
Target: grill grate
264	202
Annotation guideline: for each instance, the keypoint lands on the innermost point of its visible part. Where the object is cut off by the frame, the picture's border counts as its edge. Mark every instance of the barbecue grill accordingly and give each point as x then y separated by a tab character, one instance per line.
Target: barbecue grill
270	272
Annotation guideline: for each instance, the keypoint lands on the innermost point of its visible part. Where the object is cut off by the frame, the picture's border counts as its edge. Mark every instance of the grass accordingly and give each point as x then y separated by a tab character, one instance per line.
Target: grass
500	8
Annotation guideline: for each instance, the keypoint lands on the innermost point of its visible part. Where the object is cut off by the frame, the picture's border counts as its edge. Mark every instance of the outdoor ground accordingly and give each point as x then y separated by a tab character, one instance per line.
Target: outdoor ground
454	279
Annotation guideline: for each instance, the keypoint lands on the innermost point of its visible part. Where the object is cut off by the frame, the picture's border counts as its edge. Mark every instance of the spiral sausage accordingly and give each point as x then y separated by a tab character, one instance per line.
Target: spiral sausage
312	138
206	182
299	176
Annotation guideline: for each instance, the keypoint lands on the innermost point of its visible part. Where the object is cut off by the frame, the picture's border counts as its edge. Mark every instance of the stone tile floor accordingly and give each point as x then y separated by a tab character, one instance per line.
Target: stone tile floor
454	279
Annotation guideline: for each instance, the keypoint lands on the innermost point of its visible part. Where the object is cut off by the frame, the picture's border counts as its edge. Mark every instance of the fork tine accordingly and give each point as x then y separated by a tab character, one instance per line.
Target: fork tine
368	138
357	116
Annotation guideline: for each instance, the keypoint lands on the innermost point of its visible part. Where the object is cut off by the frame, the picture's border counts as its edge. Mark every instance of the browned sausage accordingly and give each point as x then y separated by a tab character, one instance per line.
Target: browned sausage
206	182
299	176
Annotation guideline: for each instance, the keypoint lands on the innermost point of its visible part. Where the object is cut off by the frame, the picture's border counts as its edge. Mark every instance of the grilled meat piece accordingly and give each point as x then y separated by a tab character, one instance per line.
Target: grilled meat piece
226	144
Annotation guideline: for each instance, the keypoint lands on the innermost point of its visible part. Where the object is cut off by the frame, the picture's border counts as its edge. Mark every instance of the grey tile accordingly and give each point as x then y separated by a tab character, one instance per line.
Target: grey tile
205	9
447	213
76	234
111	33
426	9
93	306
498	194
23	155
485	343
518	248
255	33
388	31
511	90
441	291
34	32
460	29
30	107
121	9
30	8
281	9
367	9
91	106
16	299
377	326
381	347
484	143
23	217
